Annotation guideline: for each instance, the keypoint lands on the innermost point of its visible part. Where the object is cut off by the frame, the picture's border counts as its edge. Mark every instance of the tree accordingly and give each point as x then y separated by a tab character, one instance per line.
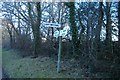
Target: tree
118	28
73	27
119	20
6	24
35	24
108	23
99	26
108	31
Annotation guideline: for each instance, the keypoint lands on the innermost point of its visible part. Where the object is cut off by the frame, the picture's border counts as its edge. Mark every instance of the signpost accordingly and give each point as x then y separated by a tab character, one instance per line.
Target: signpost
59	52
52	25
62	33
60	41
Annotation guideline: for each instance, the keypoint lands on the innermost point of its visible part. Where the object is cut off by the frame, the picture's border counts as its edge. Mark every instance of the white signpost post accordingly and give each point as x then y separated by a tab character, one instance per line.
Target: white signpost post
56	25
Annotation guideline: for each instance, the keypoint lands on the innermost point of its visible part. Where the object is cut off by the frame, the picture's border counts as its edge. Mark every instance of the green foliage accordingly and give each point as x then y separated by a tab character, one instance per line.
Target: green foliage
73	28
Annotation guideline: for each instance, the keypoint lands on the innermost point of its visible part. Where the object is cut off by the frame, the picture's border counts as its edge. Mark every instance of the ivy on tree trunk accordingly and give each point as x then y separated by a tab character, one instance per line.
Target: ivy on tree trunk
73	27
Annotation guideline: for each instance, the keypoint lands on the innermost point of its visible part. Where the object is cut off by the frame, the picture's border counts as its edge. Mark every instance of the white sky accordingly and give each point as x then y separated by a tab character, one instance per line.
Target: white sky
23	7
59	0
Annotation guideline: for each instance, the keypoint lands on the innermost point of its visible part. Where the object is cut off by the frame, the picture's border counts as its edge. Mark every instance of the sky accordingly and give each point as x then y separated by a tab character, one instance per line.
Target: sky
66	27
60	0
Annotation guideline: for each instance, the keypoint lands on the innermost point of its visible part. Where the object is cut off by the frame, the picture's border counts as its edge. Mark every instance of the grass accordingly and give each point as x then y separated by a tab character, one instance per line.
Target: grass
41	67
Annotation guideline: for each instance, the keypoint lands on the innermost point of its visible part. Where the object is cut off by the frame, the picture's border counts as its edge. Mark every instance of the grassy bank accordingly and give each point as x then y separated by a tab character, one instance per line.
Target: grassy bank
16	66
41	67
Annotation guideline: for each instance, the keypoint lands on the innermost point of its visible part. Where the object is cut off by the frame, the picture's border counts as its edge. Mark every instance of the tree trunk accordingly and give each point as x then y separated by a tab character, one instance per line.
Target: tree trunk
52	21
119	20
82	30
11	36
37	35
118	29
19	29
108	23
35	27
74	29
108	40
98	29
11	41
10	31
88	56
